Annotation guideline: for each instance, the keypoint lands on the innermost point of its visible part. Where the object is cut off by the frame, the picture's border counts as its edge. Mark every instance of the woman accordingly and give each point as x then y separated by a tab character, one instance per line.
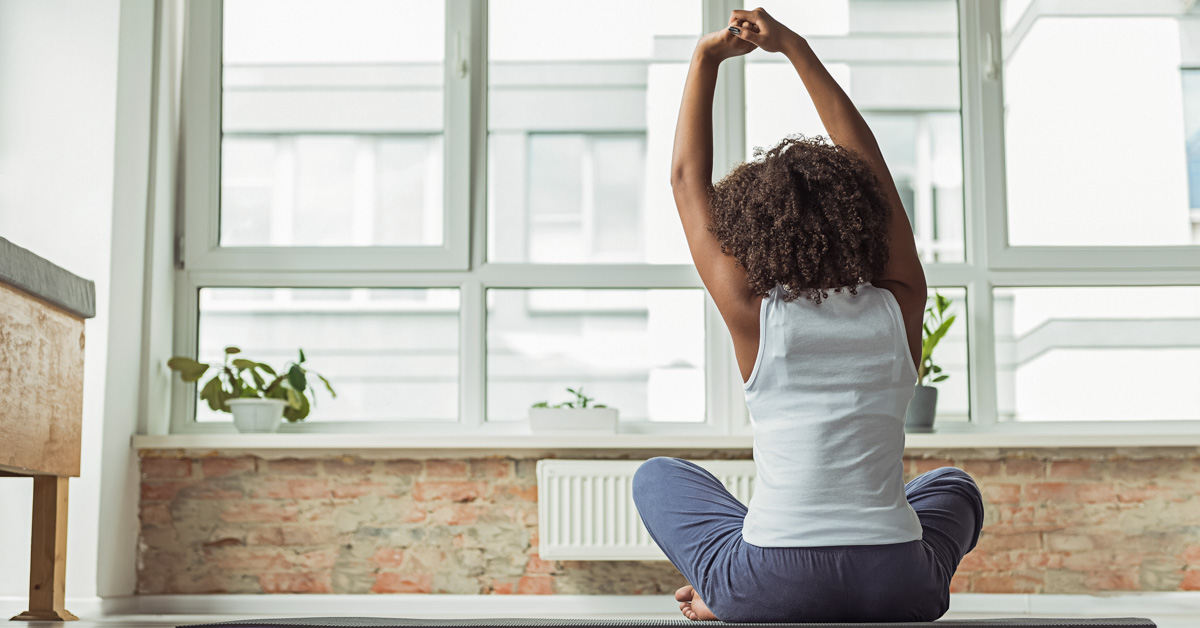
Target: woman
809	256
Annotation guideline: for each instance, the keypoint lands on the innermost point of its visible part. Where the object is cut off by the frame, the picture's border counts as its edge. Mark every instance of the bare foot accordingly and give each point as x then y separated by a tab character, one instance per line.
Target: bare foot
692	606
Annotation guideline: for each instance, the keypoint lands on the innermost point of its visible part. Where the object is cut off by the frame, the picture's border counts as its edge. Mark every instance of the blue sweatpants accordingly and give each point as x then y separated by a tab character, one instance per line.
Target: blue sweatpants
698	524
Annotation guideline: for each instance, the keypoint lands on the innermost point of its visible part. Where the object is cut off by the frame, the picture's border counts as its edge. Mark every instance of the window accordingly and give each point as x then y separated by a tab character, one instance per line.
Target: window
584	200
393	353
1098	353
464	220
331	190
1092	161
1092	249
640	351
581	120
331	128
354	218
1191	120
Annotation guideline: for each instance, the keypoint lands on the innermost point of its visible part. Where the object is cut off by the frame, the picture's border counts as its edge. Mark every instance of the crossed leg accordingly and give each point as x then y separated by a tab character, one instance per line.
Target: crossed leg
692	517
950	507
698	524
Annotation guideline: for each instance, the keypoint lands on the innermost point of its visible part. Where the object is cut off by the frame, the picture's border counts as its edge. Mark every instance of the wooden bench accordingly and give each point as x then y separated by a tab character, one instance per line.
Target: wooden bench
42	312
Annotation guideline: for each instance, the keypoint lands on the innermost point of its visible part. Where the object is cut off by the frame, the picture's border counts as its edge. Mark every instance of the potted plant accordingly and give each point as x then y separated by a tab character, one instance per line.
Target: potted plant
259	402
575	416
923	407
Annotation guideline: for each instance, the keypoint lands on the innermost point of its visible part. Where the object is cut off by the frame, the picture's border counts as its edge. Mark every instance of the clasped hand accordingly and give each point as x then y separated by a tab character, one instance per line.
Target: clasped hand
756	29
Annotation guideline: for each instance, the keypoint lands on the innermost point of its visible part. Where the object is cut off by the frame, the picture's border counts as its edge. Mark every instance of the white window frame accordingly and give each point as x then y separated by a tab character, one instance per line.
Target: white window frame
461	263
992	262
1002	256
202	166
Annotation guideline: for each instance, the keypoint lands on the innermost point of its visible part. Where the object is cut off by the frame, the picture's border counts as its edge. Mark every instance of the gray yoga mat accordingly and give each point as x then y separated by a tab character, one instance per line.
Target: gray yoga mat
383	622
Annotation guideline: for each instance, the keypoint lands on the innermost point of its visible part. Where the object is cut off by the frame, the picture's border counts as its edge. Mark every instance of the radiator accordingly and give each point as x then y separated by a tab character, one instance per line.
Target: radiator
586	511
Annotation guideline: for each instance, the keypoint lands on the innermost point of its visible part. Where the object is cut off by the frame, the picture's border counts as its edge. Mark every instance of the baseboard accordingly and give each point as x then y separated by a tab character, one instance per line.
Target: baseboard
1123	604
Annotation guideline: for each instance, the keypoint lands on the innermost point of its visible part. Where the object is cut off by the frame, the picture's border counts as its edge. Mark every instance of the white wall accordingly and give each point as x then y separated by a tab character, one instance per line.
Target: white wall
58	65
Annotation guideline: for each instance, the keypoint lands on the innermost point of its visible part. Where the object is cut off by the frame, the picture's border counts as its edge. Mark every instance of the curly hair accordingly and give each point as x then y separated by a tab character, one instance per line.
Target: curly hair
805	214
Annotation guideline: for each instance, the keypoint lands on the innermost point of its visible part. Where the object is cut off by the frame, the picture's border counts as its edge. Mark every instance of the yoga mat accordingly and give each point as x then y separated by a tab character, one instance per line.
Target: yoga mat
384	622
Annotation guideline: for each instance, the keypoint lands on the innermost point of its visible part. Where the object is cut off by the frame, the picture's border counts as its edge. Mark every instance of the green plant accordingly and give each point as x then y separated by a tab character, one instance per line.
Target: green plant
290	384
581	401
935	326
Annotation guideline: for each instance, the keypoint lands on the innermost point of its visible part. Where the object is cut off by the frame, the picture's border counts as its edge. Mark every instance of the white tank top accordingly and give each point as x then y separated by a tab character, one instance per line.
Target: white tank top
827	398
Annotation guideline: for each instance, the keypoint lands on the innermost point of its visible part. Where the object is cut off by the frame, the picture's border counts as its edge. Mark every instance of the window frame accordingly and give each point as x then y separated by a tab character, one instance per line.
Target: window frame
1002	256
993	262
202	91
461	263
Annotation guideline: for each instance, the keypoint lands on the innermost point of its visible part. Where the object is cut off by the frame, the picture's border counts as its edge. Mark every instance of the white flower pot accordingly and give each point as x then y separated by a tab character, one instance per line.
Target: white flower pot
574	420
256	415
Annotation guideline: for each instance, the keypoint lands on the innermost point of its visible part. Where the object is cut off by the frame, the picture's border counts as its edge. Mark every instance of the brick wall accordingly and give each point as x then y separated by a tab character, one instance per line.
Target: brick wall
1057	521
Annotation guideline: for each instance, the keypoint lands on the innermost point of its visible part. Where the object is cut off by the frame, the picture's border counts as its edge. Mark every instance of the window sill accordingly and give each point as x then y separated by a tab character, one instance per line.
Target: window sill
530	444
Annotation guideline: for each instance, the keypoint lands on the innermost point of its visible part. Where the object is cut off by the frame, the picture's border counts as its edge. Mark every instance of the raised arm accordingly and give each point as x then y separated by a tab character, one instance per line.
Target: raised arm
691	181
903	275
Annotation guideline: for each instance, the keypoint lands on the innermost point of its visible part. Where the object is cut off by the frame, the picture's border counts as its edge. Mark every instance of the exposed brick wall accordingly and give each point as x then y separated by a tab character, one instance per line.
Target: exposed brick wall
1057	521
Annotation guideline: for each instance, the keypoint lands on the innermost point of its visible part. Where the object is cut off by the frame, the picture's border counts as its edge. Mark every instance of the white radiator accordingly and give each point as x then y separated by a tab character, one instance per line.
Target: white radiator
586	511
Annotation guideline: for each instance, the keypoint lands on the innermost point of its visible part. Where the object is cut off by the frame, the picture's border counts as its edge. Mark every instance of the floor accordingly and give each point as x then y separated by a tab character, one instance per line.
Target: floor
170	621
